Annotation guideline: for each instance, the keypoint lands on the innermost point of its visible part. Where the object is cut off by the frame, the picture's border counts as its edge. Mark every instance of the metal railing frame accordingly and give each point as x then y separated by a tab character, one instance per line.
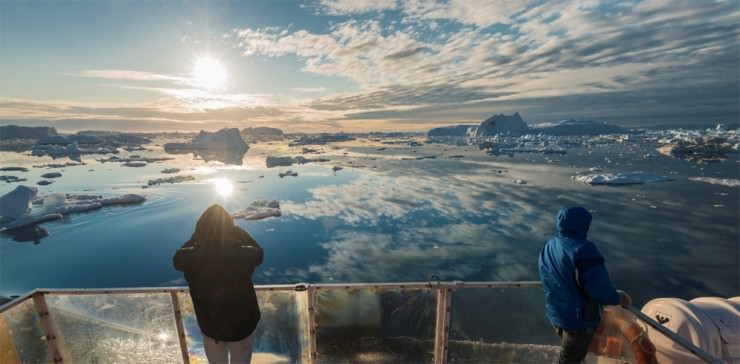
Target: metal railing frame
441	338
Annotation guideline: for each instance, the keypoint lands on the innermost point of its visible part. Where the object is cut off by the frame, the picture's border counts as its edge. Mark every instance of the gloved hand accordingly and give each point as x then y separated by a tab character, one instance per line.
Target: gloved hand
624	298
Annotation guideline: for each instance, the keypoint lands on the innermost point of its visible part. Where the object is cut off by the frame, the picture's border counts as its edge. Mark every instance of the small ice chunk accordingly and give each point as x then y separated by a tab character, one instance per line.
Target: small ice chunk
288	173
173	179
259	209
44	182
520	181
51	175
134	164
596	169
17	202
54	200
717	181
629	178
123	200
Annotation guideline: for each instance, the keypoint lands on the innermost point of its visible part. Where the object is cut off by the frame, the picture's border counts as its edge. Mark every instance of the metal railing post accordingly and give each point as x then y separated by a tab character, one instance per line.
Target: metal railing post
180	329
51	333
442	328
678	339
310	297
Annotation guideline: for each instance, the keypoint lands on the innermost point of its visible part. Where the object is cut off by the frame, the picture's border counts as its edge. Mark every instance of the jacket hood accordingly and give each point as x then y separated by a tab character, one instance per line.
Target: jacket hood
573	222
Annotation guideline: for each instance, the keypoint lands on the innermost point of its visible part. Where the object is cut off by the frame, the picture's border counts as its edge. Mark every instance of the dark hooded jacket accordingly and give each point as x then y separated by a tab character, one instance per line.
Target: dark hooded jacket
574	278
218	262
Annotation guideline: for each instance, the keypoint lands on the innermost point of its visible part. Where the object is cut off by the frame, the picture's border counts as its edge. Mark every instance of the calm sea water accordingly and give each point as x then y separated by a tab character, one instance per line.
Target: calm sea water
386	219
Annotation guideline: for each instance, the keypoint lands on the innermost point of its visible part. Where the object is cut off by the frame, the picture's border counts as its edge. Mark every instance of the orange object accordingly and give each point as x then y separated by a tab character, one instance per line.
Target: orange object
630	335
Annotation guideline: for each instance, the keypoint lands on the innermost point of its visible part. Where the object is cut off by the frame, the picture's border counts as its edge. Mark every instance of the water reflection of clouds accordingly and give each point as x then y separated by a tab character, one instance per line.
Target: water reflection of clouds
374	195
455	251
474	225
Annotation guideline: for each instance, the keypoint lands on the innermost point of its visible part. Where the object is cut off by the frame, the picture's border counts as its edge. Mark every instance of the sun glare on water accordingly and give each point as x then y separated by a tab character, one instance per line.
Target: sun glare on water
209	73
223	187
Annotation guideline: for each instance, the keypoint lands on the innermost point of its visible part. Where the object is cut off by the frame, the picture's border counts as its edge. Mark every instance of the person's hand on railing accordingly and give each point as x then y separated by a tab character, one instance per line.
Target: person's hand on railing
624	298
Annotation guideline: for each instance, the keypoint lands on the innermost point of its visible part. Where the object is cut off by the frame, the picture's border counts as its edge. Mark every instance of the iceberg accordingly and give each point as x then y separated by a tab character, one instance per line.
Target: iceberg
25	132
224	139
56	205
17	202
502	124
461	130
577	127
259	209
620	179
225	145
262	134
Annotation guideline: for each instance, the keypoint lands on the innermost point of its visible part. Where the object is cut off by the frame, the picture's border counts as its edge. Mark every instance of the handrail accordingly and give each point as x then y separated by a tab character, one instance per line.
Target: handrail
439	285
678	339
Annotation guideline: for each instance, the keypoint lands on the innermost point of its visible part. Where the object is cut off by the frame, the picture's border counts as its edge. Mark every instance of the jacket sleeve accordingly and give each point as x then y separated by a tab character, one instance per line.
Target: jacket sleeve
183	259
253	255
592	276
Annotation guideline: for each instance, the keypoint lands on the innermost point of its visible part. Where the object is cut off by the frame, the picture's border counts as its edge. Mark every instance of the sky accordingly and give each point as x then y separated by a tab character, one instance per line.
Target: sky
366	65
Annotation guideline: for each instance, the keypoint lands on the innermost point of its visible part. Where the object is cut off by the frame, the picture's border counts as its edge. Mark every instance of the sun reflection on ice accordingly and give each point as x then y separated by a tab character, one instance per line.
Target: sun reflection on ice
223	187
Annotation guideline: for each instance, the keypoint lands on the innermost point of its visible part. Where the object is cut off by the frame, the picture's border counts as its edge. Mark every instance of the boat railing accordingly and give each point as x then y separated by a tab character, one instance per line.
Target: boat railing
435	321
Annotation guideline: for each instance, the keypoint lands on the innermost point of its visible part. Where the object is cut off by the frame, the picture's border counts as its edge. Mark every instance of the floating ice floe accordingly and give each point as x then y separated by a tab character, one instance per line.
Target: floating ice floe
710	145
288	173
321	139
173	179
51	175
13	169
285	161
53	206
259	209
717	181
10	179
135	164
630	178
58	165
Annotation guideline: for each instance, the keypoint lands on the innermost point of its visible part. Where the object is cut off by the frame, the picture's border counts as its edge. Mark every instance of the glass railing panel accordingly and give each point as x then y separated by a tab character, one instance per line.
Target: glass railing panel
500	325
278	337
367	325
21	337
121	328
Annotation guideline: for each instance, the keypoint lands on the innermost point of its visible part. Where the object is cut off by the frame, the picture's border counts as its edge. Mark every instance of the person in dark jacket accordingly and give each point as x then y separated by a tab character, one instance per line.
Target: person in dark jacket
576	284
218	262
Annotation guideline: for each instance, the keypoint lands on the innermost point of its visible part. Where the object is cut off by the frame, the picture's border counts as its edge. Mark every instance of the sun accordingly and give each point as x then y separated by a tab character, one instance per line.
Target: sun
223	187
209	73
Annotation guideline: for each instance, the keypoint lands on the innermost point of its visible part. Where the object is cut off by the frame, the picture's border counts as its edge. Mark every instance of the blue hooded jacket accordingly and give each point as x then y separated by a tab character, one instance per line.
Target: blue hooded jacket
573	274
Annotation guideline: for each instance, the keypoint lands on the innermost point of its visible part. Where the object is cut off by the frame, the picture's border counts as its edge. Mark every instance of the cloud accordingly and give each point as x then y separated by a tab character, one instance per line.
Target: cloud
130	75
535	51
478	13
347	7
168	113
310	89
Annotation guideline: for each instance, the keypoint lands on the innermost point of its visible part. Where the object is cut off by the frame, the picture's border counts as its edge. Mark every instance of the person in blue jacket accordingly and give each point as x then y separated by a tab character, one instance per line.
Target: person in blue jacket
576	284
